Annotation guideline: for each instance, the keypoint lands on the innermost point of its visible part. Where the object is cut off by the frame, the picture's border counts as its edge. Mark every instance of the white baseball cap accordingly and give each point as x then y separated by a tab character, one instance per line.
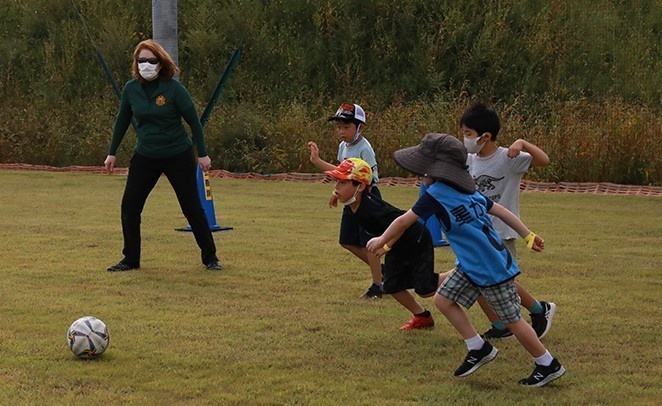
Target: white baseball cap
349	112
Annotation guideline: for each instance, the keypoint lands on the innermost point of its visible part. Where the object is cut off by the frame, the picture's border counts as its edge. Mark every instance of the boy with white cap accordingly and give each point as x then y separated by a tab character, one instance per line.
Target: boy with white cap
350	121
484	266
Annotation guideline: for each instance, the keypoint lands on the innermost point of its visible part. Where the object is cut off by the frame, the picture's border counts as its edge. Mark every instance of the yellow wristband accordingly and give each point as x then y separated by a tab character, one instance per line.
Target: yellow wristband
386	248
529	239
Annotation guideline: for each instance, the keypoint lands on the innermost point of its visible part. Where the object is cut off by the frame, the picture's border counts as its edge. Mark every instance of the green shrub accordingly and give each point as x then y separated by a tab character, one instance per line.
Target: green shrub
580	79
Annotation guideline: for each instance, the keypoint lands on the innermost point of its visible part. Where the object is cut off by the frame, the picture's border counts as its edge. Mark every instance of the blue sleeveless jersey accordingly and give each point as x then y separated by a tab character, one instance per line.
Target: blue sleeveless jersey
480	253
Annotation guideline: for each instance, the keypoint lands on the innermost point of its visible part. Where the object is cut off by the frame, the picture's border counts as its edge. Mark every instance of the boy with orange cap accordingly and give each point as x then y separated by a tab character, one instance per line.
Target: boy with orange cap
408	264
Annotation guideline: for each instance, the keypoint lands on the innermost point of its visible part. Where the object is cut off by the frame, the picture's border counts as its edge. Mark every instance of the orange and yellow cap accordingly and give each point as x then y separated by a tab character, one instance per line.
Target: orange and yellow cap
352	169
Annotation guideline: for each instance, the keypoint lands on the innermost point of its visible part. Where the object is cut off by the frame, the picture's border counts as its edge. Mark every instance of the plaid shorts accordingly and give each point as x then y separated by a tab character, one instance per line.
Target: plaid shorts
502	298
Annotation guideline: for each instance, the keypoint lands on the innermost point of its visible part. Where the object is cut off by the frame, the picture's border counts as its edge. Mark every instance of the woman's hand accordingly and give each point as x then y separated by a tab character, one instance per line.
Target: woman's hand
204	162
109	163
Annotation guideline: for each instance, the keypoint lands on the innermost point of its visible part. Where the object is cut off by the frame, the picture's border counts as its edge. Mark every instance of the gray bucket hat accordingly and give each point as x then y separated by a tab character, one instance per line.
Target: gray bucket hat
439	156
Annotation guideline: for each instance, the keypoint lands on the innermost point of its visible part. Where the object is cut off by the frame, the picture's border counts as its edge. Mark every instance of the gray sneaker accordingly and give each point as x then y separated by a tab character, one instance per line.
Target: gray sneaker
214	266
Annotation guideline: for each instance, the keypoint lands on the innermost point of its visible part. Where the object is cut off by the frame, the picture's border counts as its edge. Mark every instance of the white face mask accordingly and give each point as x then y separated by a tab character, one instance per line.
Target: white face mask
149	71
352	199
471	144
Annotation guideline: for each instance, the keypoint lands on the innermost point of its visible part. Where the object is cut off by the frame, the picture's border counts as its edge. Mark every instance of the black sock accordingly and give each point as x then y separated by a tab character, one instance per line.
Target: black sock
424	314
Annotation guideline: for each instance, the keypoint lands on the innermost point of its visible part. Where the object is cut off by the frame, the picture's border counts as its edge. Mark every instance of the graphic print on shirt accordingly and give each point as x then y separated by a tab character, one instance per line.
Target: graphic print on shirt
485	183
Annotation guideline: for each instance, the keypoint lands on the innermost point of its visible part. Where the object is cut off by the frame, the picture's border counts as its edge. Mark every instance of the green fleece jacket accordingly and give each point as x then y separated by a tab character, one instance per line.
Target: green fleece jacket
158	107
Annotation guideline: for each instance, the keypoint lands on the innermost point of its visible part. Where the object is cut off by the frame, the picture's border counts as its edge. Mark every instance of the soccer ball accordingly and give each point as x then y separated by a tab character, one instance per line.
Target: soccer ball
88	337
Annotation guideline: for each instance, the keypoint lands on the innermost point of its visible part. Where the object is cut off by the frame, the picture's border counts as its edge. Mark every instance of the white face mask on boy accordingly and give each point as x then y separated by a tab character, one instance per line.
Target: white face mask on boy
471	144
353	198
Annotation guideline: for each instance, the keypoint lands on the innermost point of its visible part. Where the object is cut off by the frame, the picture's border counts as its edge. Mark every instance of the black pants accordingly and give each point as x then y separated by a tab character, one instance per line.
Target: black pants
181	173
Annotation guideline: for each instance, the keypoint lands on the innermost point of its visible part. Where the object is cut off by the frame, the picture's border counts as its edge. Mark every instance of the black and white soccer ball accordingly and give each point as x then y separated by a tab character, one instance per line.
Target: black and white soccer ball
88	337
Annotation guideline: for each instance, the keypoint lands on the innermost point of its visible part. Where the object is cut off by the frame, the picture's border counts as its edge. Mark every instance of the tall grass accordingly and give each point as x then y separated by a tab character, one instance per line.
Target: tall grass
578	77
282	323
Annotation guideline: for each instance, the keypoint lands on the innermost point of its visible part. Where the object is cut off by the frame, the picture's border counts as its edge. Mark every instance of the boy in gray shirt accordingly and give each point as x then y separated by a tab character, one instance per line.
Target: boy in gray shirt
498	172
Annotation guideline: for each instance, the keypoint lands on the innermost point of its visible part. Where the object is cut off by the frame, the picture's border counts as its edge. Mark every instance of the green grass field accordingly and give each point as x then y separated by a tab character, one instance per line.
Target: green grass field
282	323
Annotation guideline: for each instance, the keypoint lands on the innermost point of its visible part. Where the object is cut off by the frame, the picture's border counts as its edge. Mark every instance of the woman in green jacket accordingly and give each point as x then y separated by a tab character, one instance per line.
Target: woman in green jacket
158	103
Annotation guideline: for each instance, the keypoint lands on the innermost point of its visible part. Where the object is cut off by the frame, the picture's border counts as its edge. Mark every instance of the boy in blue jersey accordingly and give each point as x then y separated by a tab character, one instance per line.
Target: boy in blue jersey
484	266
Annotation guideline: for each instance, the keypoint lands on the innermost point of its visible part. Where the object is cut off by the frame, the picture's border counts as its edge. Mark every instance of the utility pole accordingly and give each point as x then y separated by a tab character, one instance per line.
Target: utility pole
164	26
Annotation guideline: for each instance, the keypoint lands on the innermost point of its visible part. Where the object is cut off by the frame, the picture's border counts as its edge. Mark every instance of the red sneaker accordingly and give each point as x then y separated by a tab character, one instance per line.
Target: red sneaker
417	322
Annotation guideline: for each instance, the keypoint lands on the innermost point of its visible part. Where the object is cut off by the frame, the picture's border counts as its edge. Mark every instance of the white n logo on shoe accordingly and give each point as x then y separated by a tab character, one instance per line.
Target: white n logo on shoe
538	376
472	360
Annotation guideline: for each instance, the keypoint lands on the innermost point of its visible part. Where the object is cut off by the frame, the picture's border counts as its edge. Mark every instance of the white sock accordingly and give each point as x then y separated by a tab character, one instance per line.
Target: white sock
544	359
475	343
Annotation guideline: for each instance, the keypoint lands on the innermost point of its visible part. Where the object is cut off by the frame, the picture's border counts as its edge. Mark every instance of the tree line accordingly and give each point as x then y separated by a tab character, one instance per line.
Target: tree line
580	79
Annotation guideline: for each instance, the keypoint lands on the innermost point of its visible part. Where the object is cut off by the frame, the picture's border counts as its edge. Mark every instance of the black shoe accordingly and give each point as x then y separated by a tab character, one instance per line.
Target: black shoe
373	292
542	322
476	359
214	266
542	375
496	333
121	267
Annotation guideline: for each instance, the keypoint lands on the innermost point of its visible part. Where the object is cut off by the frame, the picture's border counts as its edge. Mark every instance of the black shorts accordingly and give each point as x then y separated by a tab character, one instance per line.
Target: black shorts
411	268
351	233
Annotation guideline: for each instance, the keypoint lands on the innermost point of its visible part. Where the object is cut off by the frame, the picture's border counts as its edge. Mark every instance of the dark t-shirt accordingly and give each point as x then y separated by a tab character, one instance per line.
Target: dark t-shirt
375	215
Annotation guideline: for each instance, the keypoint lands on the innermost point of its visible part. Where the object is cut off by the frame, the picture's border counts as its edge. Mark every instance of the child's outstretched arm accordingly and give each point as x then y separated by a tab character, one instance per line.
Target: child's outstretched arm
314	151
382	244
533	241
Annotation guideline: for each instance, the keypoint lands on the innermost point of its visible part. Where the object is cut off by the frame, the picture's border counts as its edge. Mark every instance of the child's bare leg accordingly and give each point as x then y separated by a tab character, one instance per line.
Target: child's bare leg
456	316
406	299
359	252
370	259
375	265
528	301
527	337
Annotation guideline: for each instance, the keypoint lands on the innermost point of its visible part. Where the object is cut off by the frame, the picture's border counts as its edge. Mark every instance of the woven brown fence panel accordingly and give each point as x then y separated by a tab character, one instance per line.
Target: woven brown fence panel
602	188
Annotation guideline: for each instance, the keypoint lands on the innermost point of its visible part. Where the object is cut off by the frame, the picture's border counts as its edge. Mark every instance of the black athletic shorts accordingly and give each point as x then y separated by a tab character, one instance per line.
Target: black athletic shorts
411	268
